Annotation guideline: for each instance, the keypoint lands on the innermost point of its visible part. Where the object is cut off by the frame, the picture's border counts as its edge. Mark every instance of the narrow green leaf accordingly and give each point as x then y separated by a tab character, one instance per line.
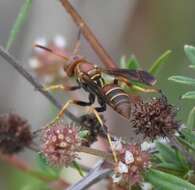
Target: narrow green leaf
170	166
167	181
191	119
18	23
182	80
189	135
186	143
159	62
167	153
130	63
190	53
189	95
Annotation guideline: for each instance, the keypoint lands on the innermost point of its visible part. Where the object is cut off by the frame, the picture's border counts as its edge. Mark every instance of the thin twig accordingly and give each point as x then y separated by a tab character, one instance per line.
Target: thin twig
17	65
88	34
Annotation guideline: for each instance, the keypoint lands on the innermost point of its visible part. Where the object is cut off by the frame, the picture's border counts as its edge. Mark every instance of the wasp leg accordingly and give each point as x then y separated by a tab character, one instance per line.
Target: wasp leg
145	90
68	103
93	110
61	87
102	104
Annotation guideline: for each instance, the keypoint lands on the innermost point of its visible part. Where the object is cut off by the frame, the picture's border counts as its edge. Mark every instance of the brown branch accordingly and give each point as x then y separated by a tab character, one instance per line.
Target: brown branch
88	34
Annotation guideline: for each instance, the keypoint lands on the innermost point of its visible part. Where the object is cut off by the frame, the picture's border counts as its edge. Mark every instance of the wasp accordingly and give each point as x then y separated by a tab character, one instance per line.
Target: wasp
89	77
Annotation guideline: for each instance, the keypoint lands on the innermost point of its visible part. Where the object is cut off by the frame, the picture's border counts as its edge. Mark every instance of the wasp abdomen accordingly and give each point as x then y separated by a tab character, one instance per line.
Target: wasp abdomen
118	99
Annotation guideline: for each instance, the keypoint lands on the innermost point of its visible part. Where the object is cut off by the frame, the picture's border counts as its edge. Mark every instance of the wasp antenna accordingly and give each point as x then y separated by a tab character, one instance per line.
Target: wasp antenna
51	51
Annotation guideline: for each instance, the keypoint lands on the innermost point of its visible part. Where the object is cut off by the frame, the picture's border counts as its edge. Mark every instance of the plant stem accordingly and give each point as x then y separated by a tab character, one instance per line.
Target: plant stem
107	156
88	34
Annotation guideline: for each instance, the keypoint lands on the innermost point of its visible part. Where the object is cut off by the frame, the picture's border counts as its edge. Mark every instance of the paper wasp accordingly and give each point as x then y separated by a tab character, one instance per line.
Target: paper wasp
89	77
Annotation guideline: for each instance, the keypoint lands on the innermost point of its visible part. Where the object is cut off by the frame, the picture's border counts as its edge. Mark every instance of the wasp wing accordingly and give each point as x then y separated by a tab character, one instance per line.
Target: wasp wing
134	75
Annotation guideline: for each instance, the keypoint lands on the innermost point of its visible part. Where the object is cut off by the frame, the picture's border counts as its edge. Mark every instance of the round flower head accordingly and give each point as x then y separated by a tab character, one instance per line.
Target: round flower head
15	133
59	144
131	163
155	118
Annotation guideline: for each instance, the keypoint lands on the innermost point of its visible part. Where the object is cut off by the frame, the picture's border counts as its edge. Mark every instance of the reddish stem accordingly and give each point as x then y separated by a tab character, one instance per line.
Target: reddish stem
88	34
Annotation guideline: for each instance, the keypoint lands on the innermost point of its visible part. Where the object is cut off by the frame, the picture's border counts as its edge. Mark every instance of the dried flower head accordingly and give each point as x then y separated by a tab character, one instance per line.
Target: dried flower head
15	133
155	118
59	144
131	163
92	125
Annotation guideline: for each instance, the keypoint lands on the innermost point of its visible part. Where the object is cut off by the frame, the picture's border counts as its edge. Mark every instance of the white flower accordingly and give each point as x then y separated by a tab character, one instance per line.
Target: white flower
129	157
34	63
117	145
163	140
116	178
122	168
146	186
60	41
147	146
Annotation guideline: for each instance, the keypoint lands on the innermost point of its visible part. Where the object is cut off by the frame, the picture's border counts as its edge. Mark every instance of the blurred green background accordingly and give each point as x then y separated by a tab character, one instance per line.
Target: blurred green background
145	28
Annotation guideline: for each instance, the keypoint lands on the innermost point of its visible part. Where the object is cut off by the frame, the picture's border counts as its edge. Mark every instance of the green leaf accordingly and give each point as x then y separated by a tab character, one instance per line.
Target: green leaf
182	80
159	62
167	153
186	143
188	134
18	23
167	181
189	95
191	119
133	63
170	166
190	53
